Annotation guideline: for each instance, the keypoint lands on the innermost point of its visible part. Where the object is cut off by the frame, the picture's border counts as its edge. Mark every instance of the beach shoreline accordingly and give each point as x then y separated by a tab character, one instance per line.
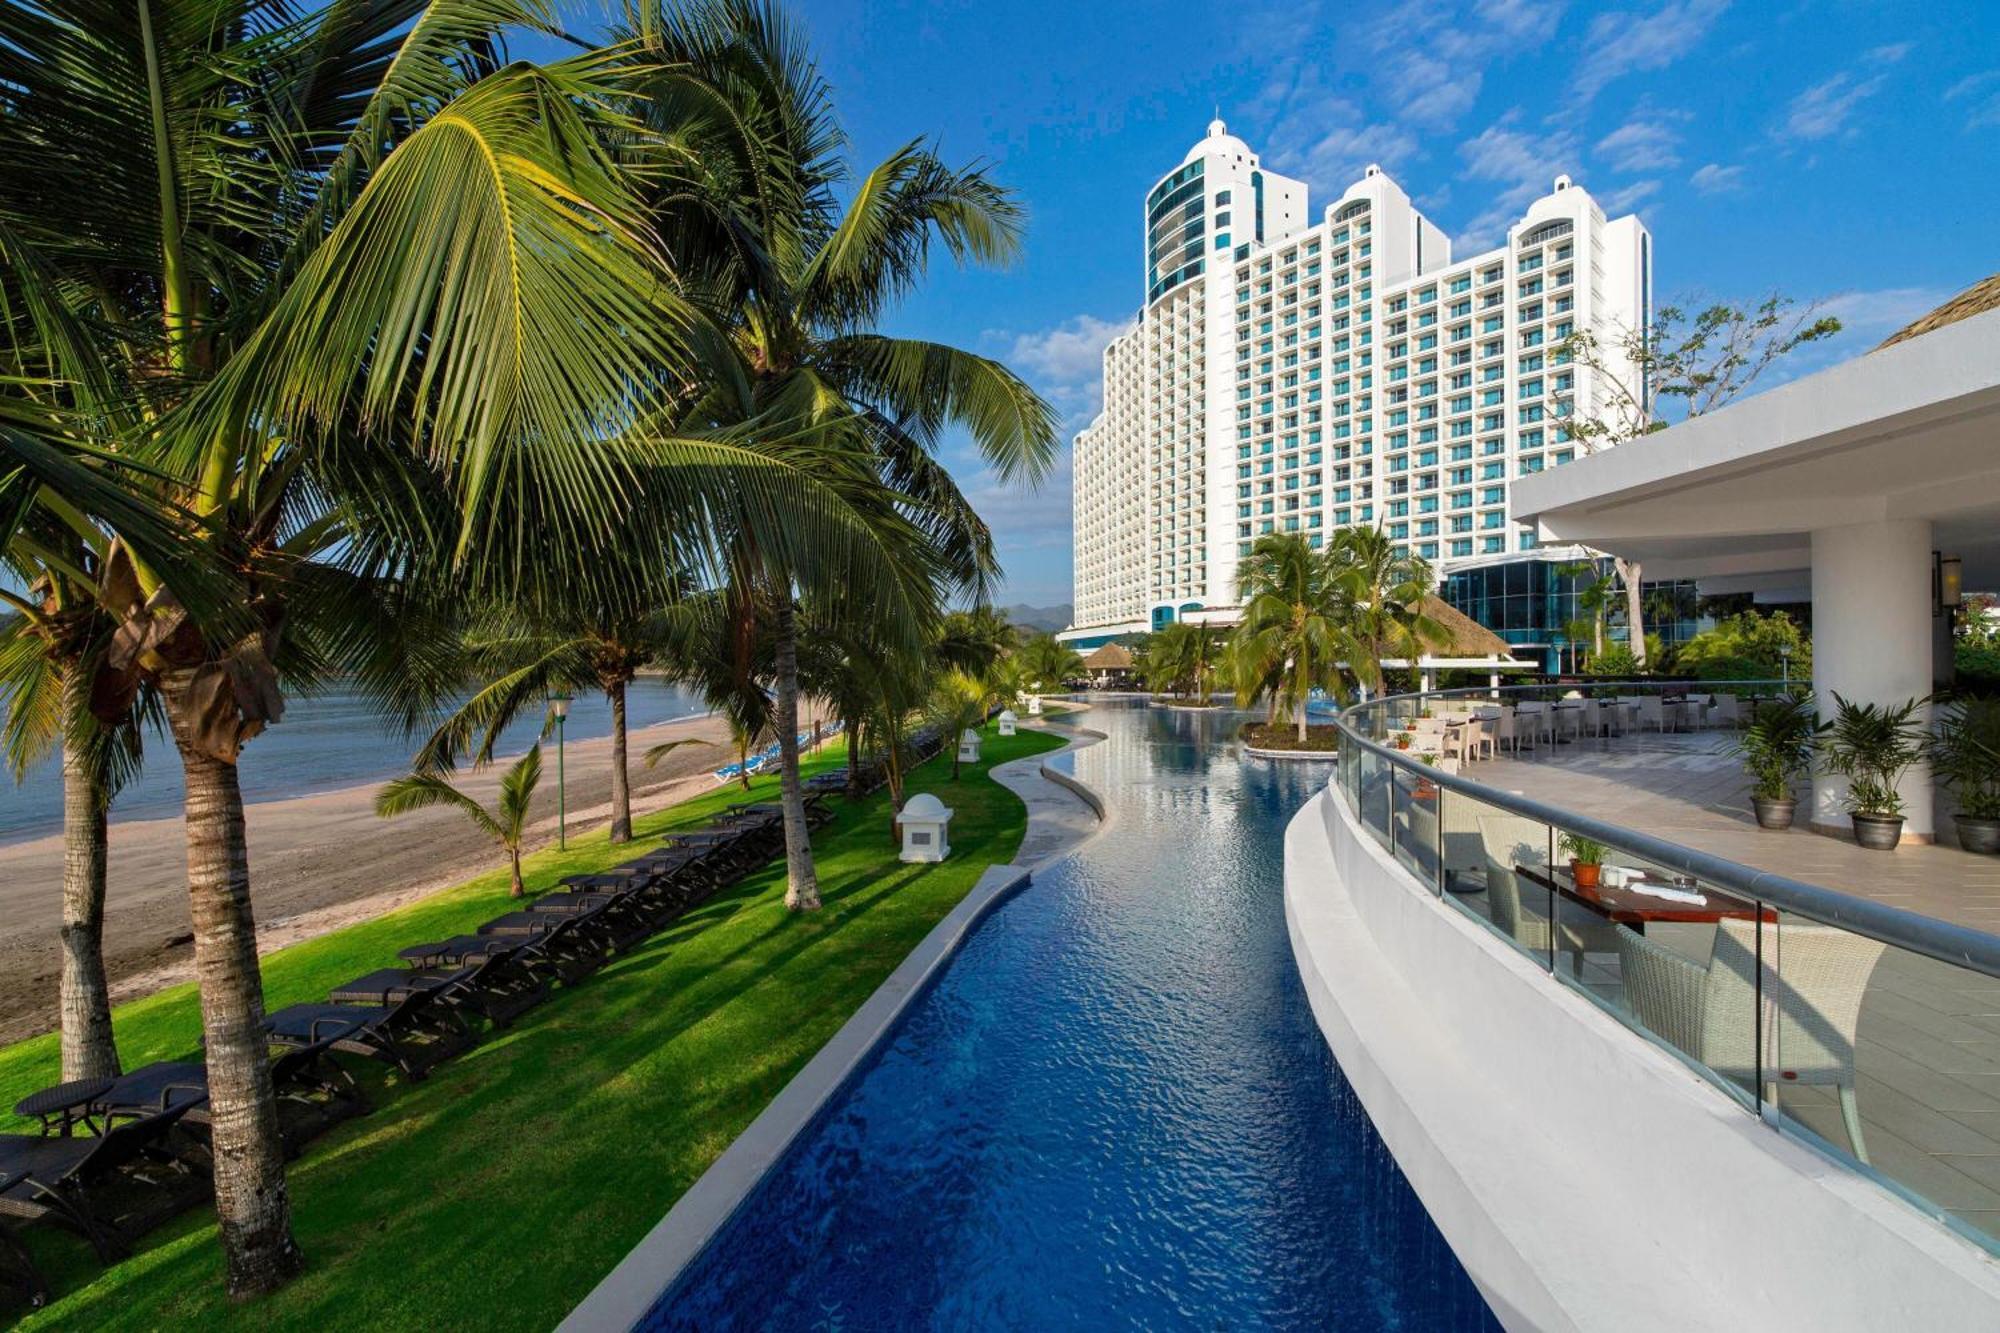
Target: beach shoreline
318	862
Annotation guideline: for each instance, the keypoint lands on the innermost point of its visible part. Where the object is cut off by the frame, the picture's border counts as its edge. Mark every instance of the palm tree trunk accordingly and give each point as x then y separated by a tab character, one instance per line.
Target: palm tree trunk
801	883
1305	685
88	1047
519	889
852	726
621	782
252	1203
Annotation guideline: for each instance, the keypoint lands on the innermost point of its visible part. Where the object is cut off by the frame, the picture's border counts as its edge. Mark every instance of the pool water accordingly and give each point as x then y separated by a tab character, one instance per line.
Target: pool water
1112	1110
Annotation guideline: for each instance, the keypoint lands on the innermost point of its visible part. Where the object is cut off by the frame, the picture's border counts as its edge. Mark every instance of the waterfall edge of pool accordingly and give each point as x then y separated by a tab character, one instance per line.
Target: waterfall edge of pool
1112	1108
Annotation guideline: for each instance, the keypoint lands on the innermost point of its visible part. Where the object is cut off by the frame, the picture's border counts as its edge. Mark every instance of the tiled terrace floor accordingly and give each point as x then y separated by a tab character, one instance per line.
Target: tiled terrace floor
1928	1051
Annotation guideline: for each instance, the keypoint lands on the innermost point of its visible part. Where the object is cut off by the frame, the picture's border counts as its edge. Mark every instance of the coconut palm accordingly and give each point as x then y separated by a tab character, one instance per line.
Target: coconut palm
1299	622
506	823
800	283
1180	658
1385	593
1049	661
399	336
599	646
957	704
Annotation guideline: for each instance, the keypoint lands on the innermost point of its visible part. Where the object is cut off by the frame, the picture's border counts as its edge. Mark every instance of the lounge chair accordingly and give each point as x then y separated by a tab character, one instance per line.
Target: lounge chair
1812	985
110	1189
415	1034
20	1281
313	1094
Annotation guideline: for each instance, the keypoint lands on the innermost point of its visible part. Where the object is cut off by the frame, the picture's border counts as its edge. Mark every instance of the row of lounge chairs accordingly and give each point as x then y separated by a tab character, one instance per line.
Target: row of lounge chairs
768	756
116	1157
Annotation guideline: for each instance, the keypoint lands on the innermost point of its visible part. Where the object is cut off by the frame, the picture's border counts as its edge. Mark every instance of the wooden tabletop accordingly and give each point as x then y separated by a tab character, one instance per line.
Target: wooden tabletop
1628	906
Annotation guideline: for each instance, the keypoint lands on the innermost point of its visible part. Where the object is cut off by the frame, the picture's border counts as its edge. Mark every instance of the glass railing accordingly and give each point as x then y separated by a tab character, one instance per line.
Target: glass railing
1870	1031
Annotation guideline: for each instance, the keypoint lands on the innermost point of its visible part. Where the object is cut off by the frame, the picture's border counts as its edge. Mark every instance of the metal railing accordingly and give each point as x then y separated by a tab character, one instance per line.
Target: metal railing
1765	996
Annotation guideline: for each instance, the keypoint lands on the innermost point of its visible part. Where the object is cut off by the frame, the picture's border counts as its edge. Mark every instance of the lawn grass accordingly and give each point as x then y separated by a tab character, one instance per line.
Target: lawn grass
497	1192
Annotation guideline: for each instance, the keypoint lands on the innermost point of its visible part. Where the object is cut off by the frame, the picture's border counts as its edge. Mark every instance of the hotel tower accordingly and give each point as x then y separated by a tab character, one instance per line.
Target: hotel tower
1293	375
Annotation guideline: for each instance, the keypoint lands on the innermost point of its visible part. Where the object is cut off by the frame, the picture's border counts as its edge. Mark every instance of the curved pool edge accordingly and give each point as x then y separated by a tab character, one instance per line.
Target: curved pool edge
624	1296
1585	1178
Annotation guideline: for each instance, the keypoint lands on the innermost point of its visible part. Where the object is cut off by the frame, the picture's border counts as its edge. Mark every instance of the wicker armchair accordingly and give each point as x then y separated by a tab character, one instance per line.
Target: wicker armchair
1577	930
1812	1005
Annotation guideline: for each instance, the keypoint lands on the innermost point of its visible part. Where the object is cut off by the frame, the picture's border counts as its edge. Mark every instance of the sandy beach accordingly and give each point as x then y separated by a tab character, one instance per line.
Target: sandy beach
317	863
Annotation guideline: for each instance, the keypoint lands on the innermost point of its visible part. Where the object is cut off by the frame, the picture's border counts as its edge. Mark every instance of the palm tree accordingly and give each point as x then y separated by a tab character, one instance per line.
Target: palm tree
957	704
506	824
1049	661
1386	593
398	336
578	647
799	283
1178	659
1298	623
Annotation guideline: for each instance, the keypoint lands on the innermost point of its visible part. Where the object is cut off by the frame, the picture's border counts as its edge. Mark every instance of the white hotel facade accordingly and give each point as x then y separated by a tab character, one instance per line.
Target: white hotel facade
1287	374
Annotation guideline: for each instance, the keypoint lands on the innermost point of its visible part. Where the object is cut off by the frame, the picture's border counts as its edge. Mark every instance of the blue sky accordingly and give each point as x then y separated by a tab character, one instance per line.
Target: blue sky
1843	151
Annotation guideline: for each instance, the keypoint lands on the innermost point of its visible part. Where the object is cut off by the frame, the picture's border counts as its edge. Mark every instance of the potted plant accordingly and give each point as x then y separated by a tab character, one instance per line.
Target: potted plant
1425	788
1403	740
1586	859
1965	756
1777	749
1872	746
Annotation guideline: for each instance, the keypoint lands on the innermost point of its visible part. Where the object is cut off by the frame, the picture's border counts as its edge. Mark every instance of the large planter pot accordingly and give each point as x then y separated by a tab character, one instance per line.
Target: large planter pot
1978	835
1774	814
1878	833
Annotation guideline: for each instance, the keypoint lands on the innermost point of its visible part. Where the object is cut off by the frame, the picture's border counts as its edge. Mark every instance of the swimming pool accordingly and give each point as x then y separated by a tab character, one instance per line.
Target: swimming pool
1112	1110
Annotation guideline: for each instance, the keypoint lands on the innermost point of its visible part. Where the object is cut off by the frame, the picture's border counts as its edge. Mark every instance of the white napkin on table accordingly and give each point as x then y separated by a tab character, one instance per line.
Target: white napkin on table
1671	894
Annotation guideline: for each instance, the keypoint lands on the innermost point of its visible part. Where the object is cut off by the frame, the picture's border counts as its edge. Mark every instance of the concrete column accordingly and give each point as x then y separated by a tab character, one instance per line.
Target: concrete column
1872	632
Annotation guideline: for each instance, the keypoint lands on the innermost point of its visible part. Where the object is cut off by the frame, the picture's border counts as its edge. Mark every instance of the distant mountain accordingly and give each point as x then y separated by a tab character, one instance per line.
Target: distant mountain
1049	618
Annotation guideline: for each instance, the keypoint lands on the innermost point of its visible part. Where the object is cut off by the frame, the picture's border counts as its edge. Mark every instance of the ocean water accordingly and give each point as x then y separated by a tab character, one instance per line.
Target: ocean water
1113	1110
332	740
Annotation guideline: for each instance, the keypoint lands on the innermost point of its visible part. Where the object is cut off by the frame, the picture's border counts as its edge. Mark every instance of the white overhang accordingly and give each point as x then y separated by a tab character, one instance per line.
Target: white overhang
1911	431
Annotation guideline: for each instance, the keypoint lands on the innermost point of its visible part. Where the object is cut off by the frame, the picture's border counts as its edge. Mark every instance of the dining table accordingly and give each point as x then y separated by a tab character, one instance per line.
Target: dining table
1631	905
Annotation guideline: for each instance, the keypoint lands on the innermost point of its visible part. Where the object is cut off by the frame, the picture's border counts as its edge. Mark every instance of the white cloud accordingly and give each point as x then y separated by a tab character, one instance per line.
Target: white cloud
1064	363
1523	163
1072	350
1628	197
1640	145
1621	44
1982	94
1714	178
1826	109
1823	110
1972	83
1870	316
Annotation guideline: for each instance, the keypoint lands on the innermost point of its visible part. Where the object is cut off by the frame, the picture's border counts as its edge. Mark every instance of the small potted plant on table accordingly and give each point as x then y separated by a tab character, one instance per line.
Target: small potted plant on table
1872	746
1777	749
1965	756
1586	859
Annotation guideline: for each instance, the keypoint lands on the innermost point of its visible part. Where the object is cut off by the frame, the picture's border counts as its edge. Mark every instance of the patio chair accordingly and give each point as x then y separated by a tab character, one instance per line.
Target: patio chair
1811	998
1725	711
1513	840
1534	722
570	953
1576	929
1650	712
1482	735
109	1189
415	1034
313	1094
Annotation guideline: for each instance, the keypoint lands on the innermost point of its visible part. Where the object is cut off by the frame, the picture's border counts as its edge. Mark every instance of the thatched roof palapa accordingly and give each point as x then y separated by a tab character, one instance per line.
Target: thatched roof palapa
1111	657
1977	299
1466	636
